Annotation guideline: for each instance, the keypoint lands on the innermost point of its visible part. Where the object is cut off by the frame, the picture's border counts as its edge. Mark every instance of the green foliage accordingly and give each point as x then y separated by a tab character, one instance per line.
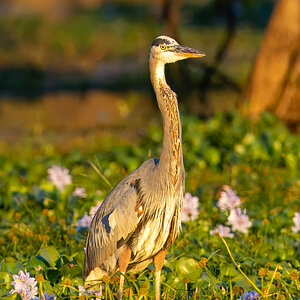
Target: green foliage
260	160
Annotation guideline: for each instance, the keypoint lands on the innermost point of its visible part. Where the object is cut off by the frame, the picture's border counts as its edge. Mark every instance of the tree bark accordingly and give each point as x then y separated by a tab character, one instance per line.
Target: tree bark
170	12
288	108
212	70
275	80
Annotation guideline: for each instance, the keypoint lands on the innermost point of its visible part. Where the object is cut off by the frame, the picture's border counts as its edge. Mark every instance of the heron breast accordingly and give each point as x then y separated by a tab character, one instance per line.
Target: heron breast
153	234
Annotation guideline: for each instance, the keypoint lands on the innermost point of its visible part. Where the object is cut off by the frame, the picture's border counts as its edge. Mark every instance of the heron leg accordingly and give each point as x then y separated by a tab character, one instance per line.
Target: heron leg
123	263
158	263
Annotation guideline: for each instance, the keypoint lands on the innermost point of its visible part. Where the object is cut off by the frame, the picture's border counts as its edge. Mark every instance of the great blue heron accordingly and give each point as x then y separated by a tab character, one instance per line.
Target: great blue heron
140	218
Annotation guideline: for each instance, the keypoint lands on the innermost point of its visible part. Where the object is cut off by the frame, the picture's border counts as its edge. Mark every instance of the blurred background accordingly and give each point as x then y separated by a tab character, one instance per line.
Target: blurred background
78	69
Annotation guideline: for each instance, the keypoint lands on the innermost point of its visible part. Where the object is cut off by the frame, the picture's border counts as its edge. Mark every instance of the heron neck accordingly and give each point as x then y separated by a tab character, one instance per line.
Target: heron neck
171	160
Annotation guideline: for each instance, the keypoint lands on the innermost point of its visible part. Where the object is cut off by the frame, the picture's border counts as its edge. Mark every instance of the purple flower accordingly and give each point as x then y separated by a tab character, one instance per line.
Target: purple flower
190	208
223	231
24	285
228	199
84	222
239	221
250	296
79	192
48	296
94	209
83	291
296	220
60	177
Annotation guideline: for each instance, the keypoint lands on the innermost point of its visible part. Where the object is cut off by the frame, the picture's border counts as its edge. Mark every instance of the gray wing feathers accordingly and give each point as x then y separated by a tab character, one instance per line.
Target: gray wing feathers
112	225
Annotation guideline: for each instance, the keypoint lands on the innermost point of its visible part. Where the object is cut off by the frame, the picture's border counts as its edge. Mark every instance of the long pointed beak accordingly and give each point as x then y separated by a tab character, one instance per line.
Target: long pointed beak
186	52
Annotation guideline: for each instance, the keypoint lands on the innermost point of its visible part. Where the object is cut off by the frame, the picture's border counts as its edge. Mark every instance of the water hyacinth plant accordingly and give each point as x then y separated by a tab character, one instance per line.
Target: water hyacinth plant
252	295
223	231
48	296
296	220
94	209
60	177
79	192
84	292
43	225
24	285
238	220
190	208
84	222
228	199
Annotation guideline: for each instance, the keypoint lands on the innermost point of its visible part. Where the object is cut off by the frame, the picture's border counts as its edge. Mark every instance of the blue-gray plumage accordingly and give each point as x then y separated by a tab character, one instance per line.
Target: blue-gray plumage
140	218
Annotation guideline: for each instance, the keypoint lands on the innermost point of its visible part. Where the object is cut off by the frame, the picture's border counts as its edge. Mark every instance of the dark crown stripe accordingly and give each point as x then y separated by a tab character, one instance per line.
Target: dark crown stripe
158	42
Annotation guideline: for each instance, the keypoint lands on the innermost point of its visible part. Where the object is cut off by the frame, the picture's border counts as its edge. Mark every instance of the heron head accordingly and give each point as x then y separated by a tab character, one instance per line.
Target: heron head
167	50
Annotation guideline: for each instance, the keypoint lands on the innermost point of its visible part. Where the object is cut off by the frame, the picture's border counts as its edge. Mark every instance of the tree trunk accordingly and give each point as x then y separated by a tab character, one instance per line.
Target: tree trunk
170	12
288	108
275	82
212	70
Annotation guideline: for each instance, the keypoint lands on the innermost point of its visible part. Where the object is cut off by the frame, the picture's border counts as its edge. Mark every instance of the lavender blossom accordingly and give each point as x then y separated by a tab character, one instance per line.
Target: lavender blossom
223	231
48	296
239	221
94	209
60	177
296	220
253	295
84	222
83	291
228	199
190	209
79	192
24	285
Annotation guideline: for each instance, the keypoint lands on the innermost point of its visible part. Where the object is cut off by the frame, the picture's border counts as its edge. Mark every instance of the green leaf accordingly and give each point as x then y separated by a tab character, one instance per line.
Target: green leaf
228	270
3	266
15	296
5	277
211	279
53	275
36	261
76	272
188	267
50	254
241	281
14	267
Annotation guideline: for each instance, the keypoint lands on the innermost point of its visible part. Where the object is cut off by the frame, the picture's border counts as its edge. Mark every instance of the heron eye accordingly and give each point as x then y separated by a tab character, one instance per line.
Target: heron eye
163	47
